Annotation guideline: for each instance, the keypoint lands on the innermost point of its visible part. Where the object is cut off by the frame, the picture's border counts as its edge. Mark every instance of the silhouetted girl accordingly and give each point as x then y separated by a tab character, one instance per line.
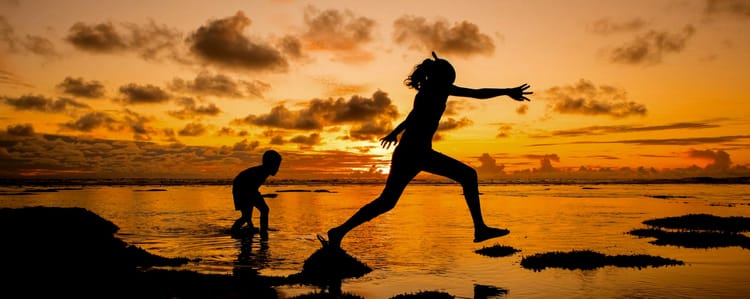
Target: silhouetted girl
433	79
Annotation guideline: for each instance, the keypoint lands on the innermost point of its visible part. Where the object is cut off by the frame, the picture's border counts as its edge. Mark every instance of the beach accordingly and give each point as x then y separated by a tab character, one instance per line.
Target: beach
425	242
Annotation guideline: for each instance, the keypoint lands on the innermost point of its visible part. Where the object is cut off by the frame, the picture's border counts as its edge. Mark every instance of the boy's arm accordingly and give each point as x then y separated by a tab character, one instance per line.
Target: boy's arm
517	93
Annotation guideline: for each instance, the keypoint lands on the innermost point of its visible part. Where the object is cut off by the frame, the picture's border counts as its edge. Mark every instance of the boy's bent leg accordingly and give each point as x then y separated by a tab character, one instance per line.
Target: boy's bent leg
245	218
263	209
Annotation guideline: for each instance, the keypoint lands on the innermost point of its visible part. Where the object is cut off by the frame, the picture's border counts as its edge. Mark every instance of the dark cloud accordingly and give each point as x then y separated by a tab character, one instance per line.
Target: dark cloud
122	121
30	43
291	46
370	130
720	159
488	165
153	41
649	48
150	41
8	78
227	131
170	135
7	36
736	8
337	88
605	157
191	110
504	130
521	110
101	38
338	31
193	129
244	145
601	130
545	162
79	157
138	124
21	130
143	94
317	114
588	99
453	124
606	26
277	140
666	141
219	85
303	141
552	157
42	103
460	38
453	108
80	88
39	45
307	141
222	42
450	124
91	121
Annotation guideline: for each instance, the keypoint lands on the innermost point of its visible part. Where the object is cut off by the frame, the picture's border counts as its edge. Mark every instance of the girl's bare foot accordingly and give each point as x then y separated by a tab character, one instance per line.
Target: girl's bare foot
334	238
489	233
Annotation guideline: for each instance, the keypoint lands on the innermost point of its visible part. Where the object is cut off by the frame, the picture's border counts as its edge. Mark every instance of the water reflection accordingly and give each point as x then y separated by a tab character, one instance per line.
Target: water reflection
251	258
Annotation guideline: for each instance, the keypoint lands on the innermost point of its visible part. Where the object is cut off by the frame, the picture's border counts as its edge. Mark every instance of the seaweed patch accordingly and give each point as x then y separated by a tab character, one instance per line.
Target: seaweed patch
697	231
589	260
497	250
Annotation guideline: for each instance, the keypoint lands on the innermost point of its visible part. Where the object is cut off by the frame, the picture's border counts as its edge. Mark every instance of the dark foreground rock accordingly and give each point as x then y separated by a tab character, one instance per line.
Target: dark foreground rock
72	252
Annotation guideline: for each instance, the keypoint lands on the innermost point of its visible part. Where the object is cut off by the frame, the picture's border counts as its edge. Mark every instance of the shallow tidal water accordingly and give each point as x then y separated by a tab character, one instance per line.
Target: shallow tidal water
425	242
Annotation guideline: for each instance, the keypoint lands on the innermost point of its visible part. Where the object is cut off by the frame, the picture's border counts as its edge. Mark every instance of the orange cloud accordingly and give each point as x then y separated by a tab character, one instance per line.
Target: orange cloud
337	31
42	104
151	41
191	110
363	113
460	38
219	85
586	98
649	48
143	94
222	43
80	88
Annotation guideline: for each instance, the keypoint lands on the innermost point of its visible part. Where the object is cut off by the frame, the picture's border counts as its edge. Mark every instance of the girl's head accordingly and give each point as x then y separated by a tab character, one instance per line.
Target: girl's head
435	71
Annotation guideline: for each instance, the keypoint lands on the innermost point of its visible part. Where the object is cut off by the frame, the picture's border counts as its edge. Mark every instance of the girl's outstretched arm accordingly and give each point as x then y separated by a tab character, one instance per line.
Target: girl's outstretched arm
517	93
392	138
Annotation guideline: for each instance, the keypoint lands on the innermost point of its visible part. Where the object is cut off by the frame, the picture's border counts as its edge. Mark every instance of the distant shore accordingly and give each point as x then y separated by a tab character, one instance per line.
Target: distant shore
9	182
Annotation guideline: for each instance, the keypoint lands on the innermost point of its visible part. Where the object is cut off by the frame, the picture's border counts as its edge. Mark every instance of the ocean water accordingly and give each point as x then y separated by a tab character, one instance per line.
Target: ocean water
425	242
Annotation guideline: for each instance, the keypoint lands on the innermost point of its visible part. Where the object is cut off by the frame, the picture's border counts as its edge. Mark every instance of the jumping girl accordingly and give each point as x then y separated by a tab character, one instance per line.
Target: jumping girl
433	79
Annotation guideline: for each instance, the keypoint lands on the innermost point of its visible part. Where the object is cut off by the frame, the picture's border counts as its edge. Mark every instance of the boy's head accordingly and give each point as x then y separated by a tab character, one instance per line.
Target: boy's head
272	160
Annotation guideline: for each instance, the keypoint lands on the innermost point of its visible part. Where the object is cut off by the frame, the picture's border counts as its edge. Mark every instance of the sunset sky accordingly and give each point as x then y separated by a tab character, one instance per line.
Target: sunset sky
199	89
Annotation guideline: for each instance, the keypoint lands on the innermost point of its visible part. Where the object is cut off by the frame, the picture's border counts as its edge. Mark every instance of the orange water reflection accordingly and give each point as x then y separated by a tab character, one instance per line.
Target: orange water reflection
425	243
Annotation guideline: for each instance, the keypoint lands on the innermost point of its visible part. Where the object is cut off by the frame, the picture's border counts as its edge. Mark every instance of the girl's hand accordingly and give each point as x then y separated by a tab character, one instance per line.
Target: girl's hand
387	141
519	93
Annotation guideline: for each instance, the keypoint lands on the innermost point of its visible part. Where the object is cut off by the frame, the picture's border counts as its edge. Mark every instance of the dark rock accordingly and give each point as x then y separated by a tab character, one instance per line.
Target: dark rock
588	260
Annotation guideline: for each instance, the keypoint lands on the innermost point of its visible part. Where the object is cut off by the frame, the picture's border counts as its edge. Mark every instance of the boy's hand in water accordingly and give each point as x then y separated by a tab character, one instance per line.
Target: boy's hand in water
387	141
519	93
